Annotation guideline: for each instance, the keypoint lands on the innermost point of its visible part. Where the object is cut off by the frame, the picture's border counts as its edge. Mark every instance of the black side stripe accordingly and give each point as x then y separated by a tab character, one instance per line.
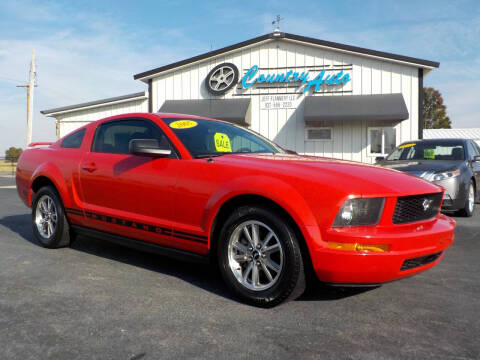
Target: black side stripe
190	239
74	211
189	234
140	226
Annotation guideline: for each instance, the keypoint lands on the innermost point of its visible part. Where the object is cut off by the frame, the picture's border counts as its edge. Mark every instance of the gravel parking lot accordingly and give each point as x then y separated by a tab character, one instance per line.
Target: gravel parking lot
97	300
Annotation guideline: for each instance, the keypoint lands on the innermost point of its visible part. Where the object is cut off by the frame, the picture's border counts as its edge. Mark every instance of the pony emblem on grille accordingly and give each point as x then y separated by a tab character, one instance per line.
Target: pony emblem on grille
426	204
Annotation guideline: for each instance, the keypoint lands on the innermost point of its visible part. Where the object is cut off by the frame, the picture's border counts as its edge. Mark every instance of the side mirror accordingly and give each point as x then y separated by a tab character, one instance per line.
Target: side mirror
380	158
148	147
288	151
476	158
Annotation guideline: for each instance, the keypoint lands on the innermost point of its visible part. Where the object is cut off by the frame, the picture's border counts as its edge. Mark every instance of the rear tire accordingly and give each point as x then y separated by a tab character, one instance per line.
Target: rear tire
265	267
469	207
49	223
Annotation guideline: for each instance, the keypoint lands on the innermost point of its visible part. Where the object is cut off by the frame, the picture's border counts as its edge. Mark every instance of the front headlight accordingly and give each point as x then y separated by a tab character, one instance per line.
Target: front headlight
360	211
444	175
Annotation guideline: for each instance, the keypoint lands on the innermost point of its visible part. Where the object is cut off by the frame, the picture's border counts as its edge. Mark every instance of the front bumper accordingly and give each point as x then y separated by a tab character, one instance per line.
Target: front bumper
455	195
407	245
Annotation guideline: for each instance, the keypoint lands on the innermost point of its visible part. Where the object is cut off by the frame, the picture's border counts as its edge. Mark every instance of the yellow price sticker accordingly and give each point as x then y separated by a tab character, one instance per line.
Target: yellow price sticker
406	146
222	142
429	154
183	124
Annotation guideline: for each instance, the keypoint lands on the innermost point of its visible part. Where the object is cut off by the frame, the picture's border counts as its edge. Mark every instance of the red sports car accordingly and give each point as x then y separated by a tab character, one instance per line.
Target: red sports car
208	190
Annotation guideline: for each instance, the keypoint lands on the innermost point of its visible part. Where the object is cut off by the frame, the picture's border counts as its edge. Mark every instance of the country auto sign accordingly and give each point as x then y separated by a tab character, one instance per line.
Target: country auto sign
252	76
224	76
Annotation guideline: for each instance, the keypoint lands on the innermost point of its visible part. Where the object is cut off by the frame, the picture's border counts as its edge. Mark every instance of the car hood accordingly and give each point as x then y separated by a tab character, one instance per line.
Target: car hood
353	178
421	167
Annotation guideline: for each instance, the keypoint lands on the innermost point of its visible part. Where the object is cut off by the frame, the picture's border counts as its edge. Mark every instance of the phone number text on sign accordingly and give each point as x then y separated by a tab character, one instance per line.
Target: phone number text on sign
268	102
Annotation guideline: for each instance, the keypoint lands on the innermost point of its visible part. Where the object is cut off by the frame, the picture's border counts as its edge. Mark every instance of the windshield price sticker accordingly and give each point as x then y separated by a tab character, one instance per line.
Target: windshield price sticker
406	146
222	142
183	124
429	154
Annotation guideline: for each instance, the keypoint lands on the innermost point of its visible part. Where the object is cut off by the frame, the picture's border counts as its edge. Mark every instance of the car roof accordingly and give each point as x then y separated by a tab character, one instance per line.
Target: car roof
444	140
176	115
194	117
152	116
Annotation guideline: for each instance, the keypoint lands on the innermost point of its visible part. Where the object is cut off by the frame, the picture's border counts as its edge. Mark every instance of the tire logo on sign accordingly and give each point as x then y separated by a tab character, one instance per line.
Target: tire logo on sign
221	78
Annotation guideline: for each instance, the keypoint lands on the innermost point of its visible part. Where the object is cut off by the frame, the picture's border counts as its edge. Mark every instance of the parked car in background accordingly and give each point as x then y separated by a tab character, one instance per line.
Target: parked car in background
453	164
209	190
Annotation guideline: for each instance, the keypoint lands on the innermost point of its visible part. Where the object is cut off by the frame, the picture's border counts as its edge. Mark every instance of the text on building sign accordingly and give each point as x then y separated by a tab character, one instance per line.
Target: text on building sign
250	78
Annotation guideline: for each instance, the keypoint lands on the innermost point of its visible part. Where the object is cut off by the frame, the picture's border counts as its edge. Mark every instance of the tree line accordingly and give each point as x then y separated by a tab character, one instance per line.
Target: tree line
434	110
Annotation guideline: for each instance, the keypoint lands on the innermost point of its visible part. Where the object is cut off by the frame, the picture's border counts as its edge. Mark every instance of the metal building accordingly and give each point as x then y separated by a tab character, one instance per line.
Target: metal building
472	133
308	95
72	117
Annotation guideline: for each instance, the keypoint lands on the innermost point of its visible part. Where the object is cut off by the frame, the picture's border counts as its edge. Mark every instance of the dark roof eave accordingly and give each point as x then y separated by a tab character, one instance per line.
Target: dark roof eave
92	103
202	56
387	55
331	44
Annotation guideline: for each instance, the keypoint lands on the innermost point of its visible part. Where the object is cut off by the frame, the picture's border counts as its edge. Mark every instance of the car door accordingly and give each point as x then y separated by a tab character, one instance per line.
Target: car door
474	150
124	193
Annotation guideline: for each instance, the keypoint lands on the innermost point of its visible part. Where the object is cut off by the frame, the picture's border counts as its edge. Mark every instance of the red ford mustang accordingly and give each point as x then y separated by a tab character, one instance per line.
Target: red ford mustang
208	190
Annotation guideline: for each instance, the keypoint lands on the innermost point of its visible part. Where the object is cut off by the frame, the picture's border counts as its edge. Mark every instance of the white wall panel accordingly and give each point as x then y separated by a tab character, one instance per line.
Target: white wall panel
73	120
68	127
286	126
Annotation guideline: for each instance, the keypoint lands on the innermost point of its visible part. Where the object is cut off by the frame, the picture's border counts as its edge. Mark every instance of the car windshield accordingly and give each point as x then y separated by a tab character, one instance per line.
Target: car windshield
204	138
428	150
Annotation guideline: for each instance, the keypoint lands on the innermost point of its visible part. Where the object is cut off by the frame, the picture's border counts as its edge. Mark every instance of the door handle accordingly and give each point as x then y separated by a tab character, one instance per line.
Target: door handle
90	167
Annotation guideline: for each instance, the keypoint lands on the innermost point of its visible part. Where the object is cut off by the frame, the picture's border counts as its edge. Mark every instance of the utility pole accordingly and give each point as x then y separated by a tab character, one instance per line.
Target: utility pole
30	87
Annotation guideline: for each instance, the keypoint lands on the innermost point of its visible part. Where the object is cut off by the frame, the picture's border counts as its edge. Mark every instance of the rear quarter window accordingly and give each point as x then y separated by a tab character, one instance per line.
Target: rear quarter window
74	141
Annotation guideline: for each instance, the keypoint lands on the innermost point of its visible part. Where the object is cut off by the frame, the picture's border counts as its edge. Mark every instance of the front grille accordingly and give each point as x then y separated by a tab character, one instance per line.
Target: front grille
416	207
420	261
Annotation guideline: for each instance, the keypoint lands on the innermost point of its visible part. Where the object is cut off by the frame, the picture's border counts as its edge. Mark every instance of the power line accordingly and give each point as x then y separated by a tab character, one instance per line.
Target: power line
10	79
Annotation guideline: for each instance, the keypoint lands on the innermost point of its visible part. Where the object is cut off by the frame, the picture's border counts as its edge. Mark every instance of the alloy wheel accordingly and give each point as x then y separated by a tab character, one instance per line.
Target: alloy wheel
471	198
46	216
255	255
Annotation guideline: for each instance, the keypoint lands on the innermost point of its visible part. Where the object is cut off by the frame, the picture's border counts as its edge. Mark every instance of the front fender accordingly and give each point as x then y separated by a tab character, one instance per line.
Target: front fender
278	191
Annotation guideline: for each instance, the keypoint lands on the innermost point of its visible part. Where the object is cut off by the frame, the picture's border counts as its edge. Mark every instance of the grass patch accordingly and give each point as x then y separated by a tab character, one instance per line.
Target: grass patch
7	166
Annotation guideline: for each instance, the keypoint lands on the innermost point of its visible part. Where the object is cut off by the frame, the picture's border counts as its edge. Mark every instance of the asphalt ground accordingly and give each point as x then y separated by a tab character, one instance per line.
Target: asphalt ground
96	300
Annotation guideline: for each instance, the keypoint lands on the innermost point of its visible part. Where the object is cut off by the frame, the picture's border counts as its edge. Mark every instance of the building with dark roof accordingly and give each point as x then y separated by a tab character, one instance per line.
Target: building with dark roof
309	95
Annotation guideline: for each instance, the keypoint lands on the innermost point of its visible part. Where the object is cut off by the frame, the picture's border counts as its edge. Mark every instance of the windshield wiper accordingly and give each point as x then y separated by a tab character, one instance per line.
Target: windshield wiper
202	156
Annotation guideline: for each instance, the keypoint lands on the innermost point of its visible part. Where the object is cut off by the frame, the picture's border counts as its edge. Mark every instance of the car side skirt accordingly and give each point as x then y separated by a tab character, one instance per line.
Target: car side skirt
142	245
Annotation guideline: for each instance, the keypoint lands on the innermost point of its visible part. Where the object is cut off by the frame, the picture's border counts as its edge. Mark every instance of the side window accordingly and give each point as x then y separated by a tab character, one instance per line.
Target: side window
472	150
114	137
74	141
476	147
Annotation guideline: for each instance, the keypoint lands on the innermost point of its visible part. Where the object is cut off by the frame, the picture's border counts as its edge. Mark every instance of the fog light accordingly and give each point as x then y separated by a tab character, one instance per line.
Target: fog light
357	247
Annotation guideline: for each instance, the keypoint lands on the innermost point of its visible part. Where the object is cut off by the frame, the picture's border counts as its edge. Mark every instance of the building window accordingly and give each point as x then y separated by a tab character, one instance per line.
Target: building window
381	140
318	134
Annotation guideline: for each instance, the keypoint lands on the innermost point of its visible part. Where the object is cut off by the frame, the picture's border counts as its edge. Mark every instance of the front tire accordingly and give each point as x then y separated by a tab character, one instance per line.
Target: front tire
469	201
49	223
260	258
